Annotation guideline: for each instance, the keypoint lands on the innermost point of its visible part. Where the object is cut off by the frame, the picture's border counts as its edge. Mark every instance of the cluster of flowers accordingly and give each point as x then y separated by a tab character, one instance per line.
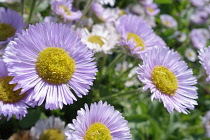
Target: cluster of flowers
53	63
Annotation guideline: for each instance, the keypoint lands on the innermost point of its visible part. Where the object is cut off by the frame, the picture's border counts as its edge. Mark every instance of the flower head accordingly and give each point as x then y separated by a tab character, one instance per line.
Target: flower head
64	9
169	79
190	54
9	27
110	2
168	21
52	61
152	9
52	128
199	38
10	101
99	121
136	34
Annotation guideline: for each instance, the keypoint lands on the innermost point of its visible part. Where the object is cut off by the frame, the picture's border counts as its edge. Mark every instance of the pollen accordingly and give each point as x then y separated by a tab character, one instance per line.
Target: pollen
98	131
97	39
164	80
6	31
137	39
66	10
52	134
7	95
55	66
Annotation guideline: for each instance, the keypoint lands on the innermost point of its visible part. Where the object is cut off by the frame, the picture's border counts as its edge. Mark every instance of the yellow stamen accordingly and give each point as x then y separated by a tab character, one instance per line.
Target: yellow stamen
6	31
55	65
98	131
137	39
52	134
96	39
7	95
66	10
164	80
150	9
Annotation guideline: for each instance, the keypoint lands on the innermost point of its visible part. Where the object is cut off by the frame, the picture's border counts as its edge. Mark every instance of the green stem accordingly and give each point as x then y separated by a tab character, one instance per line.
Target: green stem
31	10
121	93
22	6
87	7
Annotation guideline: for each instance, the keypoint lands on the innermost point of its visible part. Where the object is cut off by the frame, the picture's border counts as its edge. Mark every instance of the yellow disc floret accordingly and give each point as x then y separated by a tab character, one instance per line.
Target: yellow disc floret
96	39
55	65
98	131
137	39
66	10
52	134
6	31
7	95
164	80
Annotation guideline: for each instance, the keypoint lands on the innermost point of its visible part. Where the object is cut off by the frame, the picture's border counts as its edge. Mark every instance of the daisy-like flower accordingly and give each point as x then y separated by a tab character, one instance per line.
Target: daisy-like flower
101	39
152	9
110	2
190	54
200	16
52	128
63	8
199	38
136	34
197	3
169	79
205	60
168	21
206	122
100	121
52	61
9	27
10	101
180	36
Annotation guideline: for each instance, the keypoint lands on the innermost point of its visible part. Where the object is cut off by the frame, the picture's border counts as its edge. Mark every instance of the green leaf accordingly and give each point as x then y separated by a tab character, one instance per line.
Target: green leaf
163	1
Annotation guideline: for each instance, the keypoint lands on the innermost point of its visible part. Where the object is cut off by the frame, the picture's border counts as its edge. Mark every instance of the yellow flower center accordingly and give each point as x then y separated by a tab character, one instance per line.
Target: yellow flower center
6	31
167	23
7	95
137	39
98	131
189	54
150	9
97	39
66	10
164	80
52	134
55	65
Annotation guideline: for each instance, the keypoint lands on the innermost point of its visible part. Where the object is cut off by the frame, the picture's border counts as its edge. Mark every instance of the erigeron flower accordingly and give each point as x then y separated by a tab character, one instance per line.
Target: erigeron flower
100	121
169	79
50	60
168	21
190	54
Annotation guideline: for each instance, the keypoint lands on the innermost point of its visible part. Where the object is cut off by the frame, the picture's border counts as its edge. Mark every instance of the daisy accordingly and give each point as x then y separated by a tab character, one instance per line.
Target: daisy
190	54
198	38
52	61
180	36
101	39
152	9
9	27
204	58
168	21
169	79
136	34
99	121
110	2
63	8
10	101
48	129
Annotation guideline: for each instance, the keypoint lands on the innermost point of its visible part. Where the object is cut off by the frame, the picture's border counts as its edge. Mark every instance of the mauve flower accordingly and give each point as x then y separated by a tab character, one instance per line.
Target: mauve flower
169	79
168	21
52	61
100	121
152	9
198	38
199	17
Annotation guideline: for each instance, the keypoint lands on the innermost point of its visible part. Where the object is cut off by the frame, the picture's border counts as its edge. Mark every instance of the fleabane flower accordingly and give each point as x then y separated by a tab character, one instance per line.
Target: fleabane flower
168	21
169	79
136	34
100	121
190	54
52	128
64	9
199	38
152	9
10	101
204	57
105	2
11	23
101	39
52	61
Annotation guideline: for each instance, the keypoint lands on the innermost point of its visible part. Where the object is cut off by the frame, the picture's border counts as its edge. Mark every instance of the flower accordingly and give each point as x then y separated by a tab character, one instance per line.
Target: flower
168	21
190	54
199	38
180	36
200	16
63	8
111	2
99	121
10	101
52	61
169	79
152	9
204	58
52	128
197	3
206	122
9	27
136	34
101	39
